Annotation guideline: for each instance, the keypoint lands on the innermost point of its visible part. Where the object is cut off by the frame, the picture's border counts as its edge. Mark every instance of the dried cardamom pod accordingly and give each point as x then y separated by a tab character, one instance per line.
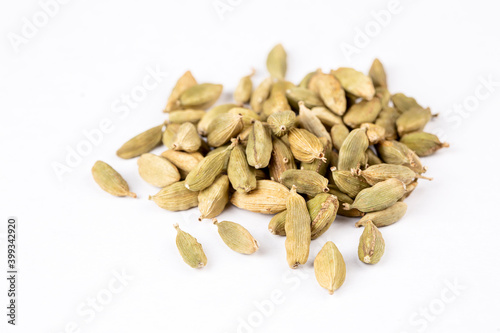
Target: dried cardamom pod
355	82
185	81
185	116
268	198
205	172
241	176
384	217
281	159
213	199
328	118
261	94
394	152
210	115
277	224
404	103
281	122
305	146
344	198
110	180
384	95
189	248
363	112
375	133
169	134
339	133
200	96
236	237
175	197
298	230
157	170
309	97
276	62
259	146
187	139
142	143
305	181
329	267
377	74
320	166
387	119
330	92
352	151
223	128
311	123
422	143
304	83
348	183
185	162
322	210
249	116
413	120
277	102
379	196
244	88
380	172
409	190
371	244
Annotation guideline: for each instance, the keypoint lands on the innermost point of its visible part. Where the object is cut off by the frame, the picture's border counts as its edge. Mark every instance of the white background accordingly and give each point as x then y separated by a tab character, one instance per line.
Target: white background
69	76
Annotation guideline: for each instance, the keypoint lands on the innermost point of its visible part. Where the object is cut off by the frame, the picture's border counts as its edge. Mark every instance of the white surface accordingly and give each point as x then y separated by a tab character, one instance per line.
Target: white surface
73	236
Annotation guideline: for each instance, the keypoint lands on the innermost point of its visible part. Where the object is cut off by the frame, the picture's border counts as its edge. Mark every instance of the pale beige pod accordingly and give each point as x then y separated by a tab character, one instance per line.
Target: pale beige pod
330	268
157	171
236	237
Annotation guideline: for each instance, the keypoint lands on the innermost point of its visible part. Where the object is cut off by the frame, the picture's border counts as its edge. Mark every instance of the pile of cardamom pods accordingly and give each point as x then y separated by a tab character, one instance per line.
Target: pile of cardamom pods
336	143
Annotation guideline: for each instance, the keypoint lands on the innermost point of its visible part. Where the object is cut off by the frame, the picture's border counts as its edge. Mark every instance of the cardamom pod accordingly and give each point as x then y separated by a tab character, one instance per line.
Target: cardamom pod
379	196
422	143
249	116
281	122
339	133
387	119
185	116
276	62
277	224
311	123
320	166
304	83
377	74
268	198
157	170
352	152
306	181
330	92
413	120
384	95
374	133
281	159
344	198
169	134
329	267
277	102
380	172
259	146
223	128
384	217
241	176
210	115
348	183
244	88
185	162
309	97
371	244
213	199
305	146
404	103
200	96
205	172
328	118
175	197
363	112
298	230
372	158
355	82
261	94
322	210
185	81
187	139
189	248
110	180
394	152
141	143
236	237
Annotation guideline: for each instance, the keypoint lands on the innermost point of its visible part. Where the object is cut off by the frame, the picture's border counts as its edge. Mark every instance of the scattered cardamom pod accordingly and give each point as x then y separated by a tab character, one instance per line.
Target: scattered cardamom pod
404	103
363	112
387	119
377	74
260	94
223	128
175	197
308	97
413	120
329	267
305	146
189	248
210	115
422	143
110	180
328	118
236	237
184	116
276	62
141	143
330	92
380	172
281	122
277	224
